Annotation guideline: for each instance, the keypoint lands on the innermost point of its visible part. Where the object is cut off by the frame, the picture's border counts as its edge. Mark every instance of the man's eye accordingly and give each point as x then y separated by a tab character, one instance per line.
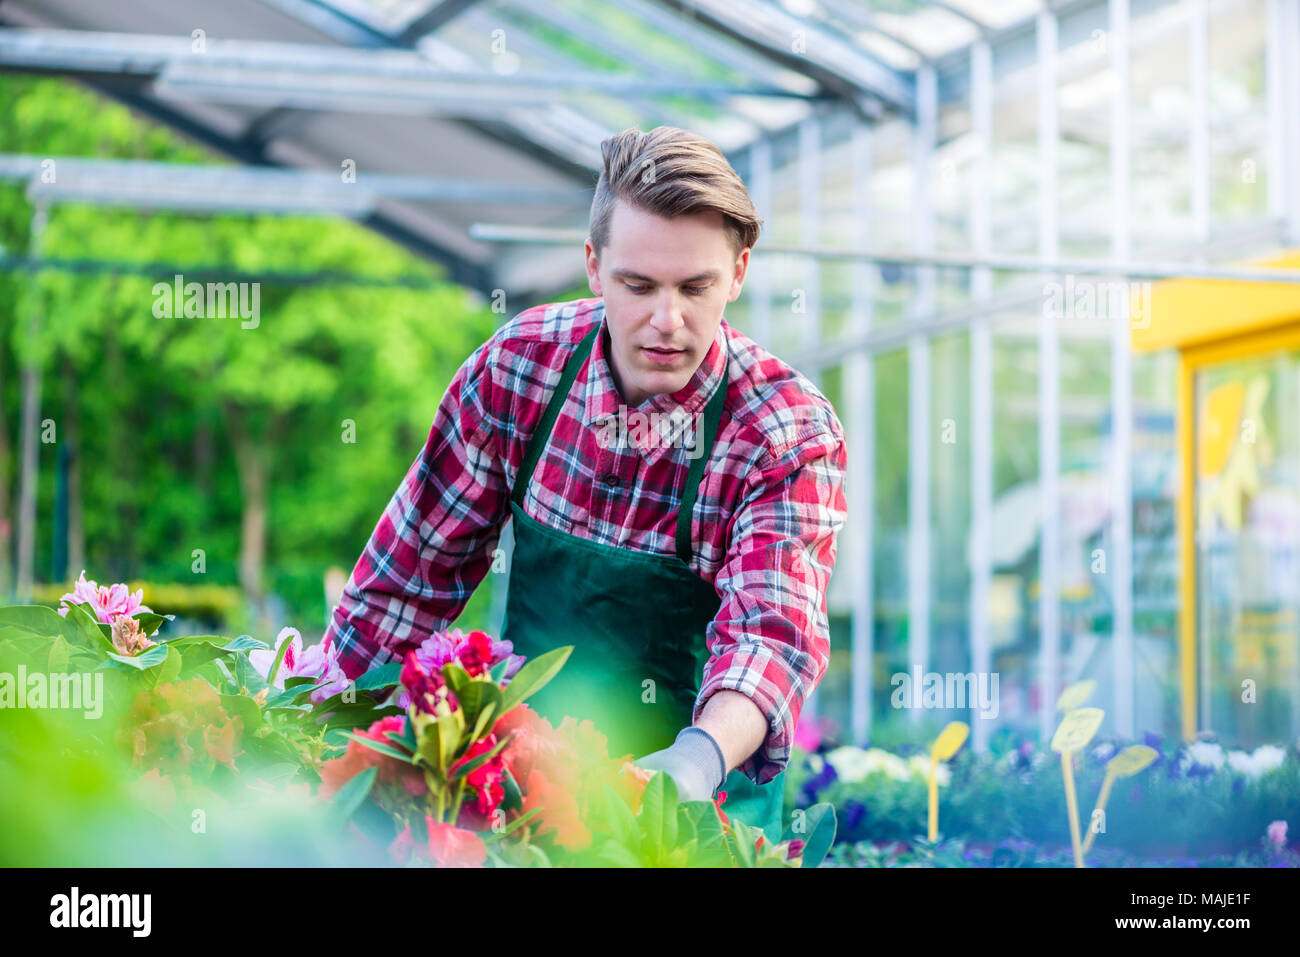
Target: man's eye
636	288
694	290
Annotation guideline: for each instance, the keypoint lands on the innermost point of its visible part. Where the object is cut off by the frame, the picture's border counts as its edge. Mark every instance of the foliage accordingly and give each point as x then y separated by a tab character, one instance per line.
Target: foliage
154	409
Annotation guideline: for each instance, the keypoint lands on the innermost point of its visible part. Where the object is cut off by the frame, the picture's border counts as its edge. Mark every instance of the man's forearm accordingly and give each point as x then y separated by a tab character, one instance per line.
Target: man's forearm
736	723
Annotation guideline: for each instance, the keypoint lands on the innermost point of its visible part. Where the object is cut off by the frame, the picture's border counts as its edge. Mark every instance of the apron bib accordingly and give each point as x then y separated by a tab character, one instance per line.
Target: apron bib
637	622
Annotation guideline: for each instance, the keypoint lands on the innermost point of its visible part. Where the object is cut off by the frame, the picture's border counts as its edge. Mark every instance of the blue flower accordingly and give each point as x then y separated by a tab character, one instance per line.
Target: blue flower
853	813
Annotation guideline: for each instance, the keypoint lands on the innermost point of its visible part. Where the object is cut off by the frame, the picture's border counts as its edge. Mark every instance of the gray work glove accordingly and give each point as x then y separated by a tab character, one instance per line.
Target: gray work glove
694	762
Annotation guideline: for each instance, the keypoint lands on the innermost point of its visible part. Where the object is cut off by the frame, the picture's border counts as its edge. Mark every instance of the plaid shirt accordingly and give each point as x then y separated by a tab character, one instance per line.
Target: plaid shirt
764	528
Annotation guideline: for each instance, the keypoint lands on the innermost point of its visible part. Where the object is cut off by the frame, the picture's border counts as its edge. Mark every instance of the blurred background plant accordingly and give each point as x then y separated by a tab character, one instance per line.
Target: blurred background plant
203	461
1197	801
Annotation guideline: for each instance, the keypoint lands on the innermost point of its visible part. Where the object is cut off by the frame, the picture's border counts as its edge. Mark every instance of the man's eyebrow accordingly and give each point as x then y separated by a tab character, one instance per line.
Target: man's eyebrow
708	275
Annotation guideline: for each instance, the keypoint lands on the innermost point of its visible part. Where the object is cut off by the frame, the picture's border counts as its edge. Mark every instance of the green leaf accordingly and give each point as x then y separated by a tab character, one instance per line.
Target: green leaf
350	797
818	833
170	668
742	842
60	652
706	824
484	720
150	621
618	817
279	657
475	697
244	707
478	760
514	798
298	680
149	658
385	676
614	854
448	740
498	671
381	748
456	676
87	630
534	675
658	815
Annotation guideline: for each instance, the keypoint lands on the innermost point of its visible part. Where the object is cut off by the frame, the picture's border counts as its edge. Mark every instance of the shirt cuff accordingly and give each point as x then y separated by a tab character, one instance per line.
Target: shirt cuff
773	755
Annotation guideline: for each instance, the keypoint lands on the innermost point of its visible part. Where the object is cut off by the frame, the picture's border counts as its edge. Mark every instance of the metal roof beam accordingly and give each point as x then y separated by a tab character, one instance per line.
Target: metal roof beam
433	18
144	184
460	269
315	77
836	66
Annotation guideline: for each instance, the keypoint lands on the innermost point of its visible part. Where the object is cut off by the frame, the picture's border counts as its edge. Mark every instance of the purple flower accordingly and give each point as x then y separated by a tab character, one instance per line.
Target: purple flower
853	813
822	779
1153	740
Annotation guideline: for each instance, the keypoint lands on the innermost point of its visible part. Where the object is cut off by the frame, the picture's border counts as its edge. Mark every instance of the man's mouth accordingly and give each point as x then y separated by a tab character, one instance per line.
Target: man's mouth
663	357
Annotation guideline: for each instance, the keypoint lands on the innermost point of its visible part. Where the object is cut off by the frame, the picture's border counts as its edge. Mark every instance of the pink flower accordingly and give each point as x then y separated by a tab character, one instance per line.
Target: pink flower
107	602
477	652
808	733
1277	834
315	662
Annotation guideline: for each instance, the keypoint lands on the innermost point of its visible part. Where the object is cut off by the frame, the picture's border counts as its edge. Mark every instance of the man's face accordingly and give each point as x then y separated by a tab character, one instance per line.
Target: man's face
665	283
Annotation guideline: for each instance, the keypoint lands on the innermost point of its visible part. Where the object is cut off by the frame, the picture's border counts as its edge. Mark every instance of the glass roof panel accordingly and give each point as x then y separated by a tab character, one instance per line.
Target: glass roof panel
998	13
388	16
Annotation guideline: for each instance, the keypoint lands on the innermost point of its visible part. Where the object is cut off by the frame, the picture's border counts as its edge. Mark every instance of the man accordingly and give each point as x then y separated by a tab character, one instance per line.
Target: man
687	563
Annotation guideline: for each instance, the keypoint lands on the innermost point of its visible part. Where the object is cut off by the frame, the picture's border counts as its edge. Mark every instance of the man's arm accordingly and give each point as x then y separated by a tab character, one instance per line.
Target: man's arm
433	544
737	725
770	642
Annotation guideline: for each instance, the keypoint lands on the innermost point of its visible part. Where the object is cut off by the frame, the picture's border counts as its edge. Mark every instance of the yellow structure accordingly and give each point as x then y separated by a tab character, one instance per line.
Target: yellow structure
1210	323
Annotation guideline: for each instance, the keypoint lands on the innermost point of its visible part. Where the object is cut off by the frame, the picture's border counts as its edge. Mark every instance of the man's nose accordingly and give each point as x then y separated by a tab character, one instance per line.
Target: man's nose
668	315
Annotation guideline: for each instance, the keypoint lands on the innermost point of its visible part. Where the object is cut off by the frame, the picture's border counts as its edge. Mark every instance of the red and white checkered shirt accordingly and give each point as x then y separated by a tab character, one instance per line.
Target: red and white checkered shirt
764	529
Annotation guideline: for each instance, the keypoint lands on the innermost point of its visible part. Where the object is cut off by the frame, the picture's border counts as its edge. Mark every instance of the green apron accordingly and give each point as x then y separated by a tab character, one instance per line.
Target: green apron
636	620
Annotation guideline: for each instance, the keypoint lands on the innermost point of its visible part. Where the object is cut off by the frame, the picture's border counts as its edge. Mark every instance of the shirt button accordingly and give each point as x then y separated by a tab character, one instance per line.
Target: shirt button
611	480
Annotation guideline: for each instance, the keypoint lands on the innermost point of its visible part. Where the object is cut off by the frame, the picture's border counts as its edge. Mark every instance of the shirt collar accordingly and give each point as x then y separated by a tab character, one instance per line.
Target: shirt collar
676	410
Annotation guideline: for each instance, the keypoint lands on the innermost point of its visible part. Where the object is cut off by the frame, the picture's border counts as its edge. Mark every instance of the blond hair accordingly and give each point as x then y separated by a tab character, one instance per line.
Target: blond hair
671	172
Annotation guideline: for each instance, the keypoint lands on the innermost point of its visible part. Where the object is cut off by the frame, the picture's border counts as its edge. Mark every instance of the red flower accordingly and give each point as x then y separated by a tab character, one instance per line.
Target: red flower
451	846
484	780
717	803
795	849
476	655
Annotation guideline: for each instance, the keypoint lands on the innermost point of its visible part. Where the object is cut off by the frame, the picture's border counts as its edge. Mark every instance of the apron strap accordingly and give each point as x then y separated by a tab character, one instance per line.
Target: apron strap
712	417
543	433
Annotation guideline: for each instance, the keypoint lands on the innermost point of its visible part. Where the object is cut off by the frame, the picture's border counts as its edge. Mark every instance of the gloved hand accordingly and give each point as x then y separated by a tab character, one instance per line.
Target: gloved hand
694	762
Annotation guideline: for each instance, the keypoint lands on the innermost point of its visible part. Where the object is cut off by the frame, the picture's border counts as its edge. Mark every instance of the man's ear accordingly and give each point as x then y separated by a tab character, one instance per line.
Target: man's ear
738	278
593	268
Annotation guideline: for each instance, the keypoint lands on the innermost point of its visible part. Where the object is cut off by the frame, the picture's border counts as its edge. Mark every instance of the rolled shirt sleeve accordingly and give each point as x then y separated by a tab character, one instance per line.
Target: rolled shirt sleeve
434	542
771	638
